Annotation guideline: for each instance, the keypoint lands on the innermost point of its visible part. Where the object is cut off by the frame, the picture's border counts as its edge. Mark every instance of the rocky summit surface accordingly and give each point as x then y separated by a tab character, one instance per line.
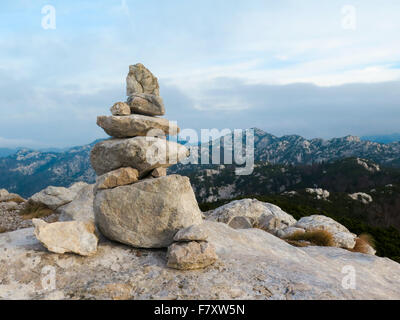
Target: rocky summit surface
252	264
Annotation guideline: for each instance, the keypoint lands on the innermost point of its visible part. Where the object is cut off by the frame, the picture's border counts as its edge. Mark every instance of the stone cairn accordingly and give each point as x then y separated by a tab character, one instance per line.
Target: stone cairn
136	203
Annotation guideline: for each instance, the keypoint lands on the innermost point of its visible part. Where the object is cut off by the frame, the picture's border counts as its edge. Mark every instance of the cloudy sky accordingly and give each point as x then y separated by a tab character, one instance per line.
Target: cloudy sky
314	68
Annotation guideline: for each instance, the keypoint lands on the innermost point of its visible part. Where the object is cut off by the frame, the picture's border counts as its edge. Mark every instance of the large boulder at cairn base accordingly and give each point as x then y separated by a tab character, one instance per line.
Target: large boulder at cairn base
149	213
141	80
136	125
141	153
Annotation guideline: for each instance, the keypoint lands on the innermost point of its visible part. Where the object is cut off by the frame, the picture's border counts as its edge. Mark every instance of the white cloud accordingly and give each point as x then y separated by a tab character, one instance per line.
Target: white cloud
53	84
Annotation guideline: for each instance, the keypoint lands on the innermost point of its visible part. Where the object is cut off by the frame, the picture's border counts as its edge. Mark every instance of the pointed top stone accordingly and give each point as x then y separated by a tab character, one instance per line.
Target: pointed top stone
141	80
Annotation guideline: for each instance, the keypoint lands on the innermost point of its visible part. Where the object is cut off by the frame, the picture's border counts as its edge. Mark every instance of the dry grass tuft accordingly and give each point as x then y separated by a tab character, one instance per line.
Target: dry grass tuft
296	243
16	200
321	238
363	243
35	210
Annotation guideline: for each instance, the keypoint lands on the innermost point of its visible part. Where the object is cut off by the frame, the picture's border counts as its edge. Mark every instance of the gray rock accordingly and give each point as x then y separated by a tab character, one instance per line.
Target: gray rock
256	211
149	213
252	264
147	104
342	236
72	236
192	233
240	222
141	153
318	193
270	224
141	80
77	187
191	255
136	125
81	208
344	240
362	197
120	109
289	231
117	178
9	205
53	197
159	172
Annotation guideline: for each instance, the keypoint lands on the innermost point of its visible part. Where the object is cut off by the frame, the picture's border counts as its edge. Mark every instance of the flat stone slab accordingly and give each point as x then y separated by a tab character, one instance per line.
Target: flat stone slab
141	153
136	125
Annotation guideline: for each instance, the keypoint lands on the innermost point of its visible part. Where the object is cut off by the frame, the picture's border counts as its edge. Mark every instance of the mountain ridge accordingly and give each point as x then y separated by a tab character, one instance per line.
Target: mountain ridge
29	171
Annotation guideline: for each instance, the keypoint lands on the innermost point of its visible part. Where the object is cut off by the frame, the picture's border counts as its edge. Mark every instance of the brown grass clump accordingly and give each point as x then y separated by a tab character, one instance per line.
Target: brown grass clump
35	210
321	238
296	243
16	200
364	242
3	230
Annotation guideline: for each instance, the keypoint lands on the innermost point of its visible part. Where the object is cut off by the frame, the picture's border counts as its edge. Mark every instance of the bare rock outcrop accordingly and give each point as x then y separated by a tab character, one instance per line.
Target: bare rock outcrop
252	264
242	214
55	197
342	237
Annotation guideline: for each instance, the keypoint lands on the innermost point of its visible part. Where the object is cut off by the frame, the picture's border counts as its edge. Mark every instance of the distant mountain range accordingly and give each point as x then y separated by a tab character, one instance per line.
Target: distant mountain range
389	138
340	178
28	171
294	149
5	152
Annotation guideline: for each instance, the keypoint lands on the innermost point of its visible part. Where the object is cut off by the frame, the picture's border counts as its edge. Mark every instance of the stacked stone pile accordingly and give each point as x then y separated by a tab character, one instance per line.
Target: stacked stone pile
135	202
